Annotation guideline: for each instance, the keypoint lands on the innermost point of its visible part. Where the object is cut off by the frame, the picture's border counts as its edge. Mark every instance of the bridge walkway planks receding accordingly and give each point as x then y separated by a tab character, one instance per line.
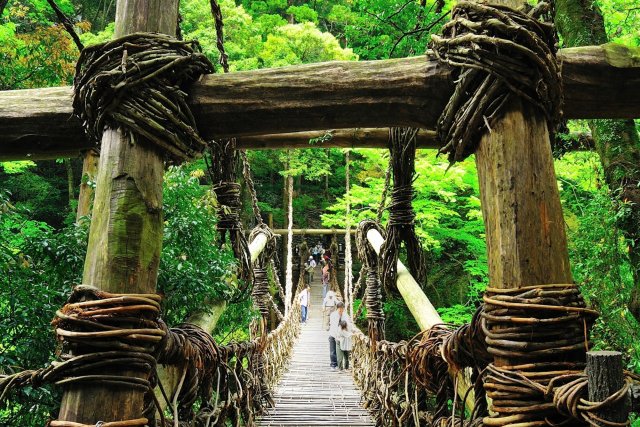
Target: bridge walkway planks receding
310	393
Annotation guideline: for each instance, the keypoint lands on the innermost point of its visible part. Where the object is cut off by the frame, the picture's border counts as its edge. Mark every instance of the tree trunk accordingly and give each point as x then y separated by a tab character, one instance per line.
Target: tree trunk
70	185
89	175
580	23
125	238
526	242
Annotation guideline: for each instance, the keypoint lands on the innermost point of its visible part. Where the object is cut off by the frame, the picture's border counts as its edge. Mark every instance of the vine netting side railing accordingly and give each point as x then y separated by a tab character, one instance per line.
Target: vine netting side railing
388	392
239	387
232	383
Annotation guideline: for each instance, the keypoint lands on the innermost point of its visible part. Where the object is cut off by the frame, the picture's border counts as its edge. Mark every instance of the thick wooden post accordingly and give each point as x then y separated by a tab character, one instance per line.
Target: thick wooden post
526	241
525	233
606	377
89	174
126	229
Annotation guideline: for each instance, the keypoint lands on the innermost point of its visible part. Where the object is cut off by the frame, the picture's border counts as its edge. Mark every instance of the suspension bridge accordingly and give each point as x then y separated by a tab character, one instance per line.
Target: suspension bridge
492	85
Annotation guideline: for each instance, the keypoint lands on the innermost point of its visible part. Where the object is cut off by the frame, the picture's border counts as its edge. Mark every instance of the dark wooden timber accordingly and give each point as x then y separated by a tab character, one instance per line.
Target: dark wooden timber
311	231
606	376
600	82
126	228
373	138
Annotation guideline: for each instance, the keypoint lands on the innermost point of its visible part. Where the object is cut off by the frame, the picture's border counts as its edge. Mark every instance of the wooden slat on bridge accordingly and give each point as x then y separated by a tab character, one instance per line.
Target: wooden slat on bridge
310	393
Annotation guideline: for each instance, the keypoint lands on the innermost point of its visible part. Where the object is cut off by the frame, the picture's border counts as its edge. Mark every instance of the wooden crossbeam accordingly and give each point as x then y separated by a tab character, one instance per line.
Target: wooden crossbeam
599	82
312	231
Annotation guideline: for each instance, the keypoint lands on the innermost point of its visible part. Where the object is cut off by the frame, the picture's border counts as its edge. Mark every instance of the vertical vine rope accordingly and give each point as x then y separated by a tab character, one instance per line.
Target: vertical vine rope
348	263
289	274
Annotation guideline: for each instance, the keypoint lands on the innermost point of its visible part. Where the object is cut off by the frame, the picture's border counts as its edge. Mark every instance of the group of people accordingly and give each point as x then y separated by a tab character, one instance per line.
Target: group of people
335	320
340	328
322	257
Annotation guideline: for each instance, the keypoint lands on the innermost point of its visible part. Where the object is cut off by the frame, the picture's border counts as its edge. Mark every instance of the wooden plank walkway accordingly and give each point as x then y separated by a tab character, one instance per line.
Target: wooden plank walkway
310	393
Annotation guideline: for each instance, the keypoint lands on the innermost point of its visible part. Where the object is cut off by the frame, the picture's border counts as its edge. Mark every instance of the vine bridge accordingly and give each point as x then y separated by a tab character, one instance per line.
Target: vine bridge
493	84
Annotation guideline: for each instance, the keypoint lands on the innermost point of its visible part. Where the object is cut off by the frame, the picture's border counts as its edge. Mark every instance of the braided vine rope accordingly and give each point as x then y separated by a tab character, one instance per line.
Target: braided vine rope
99	344
500	52
138	82
260	293
373	290
223	171
401	226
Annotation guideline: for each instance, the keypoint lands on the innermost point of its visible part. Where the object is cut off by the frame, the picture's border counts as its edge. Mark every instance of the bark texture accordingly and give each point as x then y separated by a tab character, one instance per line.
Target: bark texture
580	23
125	238
89	175
606	376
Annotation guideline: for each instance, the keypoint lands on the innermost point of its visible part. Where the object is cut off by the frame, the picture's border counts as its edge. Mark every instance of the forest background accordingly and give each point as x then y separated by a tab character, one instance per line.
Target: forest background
42	243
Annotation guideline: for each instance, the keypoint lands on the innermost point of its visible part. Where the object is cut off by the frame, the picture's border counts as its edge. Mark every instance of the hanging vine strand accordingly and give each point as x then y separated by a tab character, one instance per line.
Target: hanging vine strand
223	171
219	23
348	263
401	227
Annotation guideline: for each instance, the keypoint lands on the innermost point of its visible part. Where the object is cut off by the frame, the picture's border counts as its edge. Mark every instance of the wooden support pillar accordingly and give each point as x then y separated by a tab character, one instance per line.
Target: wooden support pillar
87	180
525	229
526	241
126	230
606	377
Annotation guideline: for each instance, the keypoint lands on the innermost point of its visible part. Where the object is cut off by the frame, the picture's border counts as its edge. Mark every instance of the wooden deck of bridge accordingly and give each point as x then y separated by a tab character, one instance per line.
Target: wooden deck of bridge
310	393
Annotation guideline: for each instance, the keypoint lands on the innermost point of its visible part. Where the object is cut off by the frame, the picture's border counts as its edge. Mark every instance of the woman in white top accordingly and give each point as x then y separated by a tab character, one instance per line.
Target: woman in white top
305	302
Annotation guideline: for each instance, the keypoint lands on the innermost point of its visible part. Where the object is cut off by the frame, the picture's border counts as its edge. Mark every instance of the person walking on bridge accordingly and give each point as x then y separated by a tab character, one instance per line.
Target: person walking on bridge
328	307
305	302
345	332
334	323
310	267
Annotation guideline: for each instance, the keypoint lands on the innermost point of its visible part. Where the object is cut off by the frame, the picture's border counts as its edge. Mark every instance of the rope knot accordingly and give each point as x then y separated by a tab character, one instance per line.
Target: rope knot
500	52
138	82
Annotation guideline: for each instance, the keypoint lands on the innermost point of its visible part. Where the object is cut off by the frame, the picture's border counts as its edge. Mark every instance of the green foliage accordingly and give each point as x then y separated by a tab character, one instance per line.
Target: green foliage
38	267
622	20
193	269
599	255
261	39
303	13
33	52
448	222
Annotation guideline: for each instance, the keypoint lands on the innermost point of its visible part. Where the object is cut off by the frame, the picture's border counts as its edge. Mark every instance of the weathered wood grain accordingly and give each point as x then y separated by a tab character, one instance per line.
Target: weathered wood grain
525	231
125	237
600	82
89	175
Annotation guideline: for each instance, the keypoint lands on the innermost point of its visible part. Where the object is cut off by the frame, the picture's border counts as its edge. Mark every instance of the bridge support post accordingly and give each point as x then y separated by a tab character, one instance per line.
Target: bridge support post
525	229
126	229
606	377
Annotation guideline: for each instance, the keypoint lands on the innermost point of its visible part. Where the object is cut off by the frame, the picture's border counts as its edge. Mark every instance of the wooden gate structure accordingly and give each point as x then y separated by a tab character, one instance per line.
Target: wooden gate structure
526	239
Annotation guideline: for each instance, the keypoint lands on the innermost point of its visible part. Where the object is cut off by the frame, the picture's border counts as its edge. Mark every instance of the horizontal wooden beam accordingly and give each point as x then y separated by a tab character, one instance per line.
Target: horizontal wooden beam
599	82
312	231
376	138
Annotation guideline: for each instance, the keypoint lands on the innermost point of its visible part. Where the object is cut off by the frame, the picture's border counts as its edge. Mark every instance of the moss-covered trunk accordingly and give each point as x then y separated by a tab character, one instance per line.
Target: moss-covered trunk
580	23
125	237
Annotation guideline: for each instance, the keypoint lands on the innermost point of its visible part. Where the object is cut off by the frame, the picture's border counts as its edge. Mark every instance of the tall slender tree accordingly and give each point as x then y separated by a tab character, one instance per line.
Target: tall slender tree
580	23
